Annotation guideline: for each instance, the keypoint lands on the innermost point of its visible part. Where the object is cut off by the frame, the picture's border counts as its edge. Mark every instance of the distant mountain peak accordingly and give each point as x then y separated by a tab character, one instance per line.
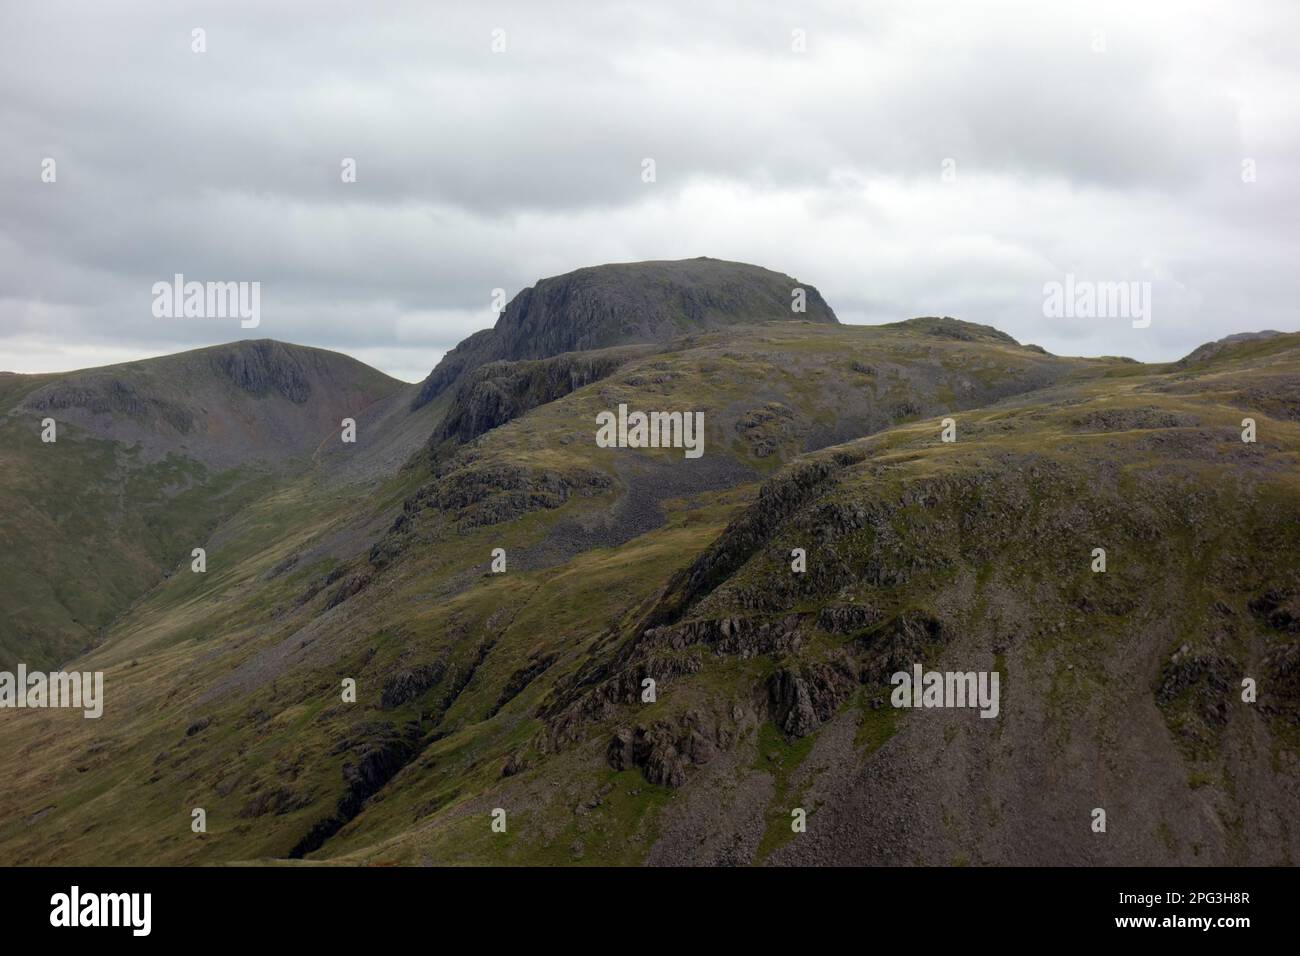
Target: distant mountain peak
222	405
629	303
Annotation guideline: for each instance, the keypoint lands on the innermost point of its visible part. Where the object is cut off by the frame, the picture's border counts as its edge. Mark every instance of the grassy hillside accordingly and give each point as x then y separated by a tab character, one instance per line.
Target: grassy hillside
150	457
451	661
522	690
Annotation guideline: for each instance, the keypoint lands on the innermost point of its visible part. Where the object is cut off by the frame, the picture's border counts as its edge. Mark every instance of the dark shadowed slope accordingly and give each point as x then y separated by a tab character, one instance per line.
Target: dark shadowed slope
224	406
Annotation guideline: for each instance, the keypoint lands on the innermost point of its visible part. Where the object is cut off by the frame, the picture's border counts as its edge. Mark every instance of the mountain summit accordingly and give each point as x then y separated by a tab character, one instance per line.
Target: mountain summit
627	303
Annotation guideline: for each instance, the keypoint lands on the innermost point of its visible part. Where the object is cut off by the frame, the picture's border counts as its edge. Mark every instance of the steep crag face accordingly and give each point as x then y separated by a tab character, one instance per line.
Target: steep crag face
636	302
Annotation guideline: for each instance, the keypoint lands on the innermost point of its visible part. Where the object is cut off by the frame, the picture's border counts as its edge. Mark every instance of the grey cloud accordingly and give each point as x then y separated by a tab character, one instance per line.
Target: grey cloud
480	170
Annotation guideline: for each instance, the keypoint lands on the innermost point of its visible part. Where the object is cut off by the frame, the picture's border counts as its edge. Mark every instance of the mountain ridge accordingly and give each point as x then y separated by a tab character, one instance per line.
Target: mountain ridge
521	687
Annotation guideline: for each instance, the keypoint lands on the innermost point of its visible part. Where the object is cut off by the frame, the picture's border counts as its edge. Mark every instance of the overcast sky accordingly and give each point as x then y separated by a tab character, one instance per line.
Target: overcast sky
1105	141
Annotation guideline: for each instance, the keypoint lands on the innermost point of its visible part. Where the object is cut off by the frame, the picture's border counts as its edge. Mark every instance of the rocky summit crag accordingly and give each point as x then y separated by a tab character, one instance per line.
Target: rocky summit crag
633	302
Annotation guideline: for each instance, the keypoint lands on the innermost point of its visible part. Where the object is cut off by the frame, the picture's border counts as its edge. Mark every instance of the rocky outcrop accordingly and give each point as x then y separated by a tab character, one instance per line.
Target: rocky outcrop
375	755
110	395
910	637
410	684
264	367
498	392
354	584
847	619
742	637
478	349
779	499
318	585
471	494
1193	695
515	763
1278	609
663	751
802	698
766	428
490	494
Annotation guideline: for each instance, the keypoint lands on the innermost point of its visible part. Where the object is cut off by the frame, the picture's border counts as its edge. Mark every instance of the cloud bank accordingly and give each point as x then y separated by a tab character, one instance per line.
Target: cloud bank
906	158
